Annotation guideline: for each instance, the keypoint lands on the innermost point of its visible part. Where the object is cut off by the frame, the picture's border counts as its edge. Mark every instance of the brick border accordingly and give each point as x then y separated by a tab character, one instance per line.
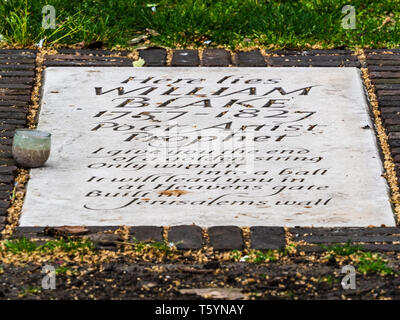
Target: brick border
384	71
17	71
226	238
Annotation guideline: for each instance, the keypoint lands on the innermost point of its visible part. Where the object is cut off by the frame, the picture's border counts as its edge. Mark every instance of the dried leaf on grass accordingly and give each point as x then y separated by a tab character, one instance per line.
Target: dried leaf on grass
138	39
387	20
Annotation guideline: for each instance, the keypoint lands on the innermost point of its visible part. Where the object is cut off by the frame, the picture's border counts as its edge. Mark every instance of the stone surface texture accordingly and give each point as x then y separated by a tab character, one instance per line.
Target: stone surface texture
311	157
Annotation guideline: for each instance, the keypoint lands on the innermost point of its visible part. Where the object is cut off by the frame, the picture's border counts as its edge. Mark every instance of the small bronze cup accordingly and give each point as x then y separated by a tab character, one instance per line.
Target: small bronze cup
31	148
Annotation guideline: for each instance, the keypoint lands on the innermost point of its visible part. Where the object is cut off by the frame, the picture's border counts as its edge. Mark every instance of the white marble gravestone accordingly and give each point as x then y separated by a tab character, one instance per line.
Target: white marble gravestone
209	146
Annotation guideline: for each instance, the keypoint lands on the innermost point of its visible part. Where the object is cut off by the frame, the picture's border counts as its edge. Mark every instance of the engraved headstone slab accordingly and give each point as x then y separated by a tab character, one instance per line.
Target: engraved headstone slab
209	146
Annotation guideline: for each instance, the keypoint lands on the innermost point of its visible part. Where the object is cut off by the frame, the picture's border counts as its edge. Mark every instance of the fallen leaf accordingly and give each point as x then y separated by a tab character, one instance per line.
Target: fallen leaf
172	192
216	293
152	32
387	20
65	230
138	39
194	270
80	45
139	63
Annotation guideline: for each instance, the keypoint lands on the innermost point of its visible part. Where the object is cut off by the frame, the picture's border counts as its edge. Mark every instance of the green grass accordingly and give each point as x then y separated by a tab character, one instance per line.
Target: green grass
373	263
25	245
63	270
20	245
164	247
30	291
343	250
230	23
267	256
368	262
257	256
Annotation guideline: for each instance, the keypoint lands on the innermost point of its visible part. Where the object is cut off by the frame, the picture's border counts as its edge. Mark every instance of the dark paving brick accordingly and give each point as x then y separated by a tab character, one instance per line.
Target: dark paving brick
4	203
27	232
6	178
83	57
342	235
185	58
264	238
91	52
250	59
95	229
341	231
15	86
186	237
13	67
314	61
308	249
17	76
385	75
226	238
394	135
345	230
387	103
344	239
6	187
13	121
5	194
19	80
365	247
19	59
387	87
9	74
310	52
389	95
104	240
154	56
394	143
8	169
13	115
382	50
384	70
13	106
390	119
31	233
216	58
385	81
7	162
82	63
147	233
3	212
380	247
18	51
